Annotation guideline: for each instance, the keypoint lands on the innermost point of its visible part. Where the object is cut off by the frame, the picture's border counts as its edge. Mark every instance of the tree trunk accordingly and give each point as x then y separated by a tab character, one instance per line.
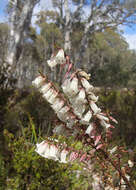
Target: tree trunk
67	43
83	46
20	20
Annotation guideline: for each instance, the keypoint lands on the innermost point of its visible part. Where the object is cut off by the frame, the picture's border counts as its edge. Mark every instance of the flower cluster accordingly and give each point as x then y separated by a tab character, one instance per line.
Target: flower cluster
78	109
49	150
59	59
79	115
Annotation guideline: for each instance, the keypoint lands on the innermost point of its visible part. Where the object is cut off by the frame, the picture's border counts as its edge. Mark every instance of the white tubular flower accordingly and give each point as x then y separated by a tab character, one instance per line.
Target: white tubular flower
63	156
65	86
93	97
128	177
130	163
73	90
89	129
104	124
81	96
86	118
88	87
63	113
113	150
79	109
58	104
60	57
94	108
47	94
52	98
53	153
45	88
40	148
102	117
72	100
43	149
52	62
38	81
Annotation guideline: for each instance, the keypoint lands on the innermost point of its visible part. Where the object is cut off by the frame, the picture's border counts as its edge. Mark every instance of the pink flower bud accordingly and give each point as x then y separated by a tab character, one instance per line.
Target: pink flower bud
97	139
83	157
73	156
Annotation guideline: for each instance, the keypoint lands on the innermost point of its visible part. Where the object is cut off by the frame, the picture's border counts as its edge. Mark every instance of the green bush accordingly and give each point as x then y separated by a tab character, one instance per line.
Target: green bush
24	169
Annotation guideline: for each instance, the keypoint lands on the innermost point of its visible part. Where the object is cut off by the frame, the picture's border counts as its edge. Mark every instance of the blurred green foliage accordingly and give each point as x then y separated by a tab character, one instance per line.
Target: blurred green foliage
23	169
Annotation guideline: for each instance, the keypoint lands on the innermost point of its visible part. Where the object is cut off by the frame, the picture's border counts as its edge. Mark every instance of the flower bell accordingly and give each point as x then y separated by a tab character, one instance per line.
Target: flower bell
38	82
86	118
58	104
43	149
88	87
48	94
130	163
73	89
40	148
79	109
63	113
60	57
52	62
102	117
53	152
81	96
63	156
52	98
113	150
104	124
89	129
65	86
45	88
94	107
